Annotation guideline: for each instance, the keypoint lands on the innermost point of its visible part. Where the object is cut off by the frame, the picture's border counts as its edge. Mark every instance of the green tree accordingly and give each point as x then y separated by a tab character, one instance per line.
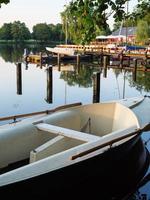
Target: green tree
42	32
83	18
141	10
57	33
5	32
147	18
140	17
4	1
52	30
143	32
19	31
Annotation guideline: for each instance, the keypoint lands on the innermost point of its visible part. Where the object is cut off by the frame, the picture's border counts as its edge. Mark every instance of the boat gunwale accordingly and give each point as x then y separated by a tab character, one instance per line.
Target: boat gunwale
71	159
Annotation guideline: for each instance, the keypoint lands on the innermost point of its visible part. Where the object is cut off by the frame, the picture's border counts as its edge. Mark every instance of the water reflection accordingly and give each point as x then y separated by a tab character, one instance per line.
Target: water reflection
34	88
81	76
13	53
142	81
49	78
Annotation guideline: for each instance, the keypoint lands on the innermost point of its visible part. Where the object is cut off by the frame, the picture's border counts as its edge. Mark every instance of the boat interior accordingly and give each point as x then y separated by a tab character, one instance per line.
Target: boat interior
31	140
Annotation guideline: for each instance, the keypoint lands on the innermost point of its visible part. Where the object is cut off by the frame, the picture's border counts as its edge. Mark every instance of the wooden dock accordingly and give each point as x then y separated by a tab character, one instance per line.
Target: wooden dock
97	49
90	53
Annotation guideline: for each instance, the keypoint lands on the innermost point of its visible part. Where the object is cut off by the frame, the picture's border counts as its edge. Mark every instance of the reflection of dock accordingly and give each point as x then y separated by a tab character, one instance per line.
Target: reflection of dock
53	59
39	58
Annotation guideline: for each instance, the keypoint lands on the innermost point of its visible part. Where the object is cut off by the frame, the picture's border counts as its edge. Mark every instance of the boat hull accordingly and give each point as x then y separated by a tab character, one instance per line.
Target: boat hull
110	175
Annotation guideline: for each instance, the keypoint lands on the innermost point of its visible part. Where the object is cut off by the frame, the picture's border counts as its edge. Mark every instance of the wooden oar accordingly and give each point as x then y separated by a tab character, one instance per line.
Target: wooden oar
14	117
109	143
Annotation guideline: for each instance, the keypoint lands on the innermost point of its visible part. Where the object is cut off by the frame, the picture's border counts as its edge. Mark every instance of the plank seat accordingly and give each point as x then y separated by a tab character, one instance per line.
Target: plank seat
67	132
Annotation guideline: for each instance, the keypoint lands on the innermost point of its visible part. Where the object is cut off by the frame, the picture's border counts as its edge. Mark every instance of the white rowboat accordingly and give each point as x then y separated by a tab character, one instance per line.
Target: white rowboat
73	146
59	50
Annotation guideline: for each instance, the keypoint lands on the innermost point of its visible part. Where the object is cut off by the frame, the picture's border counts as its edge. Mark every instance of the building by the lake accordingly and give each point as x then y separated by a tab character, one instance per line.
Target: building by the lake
122	35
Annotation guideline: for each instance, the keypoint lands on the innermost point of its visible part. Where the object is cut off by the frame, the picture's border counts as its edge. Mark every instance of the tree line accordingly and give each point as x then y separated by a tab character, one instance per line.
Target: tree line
18	32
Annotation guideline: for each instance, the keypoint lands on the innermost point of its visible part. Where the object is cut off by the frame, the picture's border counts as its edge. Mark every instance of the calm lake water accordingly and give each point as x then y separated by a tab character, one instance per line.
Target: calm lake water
46	87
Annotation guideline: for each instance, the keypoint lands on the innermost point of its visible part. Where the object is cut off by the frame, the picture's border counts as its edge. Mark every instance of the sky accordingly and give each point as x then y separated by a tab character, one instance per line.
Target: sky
32	12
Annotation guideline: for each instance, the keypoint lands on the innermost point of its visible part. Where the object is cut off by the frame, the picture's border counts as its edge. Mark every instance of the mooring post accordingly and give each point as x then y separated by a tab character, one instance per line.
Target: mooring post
19	78
58	59
49	97
146	58
121	59
101	56
41	60
129	61
96	87
105	65
134	69
78	59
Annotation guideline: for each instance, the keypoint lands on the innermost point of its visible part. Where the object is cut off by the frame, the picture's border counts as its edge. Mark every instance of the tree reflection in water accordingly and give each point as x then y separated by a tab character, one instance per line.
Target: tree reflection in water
81	76
14	52
142	81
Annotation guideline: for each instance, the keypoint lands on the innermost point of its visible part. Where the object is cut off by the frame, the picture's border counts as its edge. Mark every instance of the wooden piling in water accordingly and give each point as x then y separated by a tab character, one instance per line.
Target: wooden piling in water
58	59
146	60
49	98
19	78
96	87
41	60
134	69
121	60
101	56
78	59
105	65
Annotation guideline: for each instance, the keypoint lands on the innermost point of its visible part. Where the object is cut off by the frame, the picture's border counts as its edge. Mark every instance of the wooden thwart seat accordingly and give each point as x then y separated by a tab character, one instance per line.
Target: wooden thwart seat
67	132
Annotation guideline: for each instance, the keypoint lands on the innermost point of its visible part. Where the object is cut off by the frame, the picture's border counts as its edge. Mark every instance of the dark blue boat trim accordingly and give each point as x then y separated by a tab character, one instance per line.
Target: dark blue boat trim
110	175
